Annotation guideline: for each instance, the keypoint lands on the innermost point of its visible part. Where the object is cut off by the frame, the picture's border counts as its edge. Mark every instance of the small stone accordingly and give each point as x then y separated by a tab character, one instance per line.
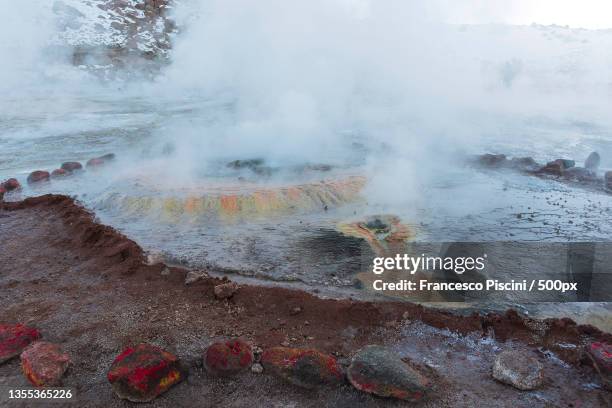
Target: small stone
99	161
72	166
518	369
306	368
285	343
141	373
377	370
296	310
14	339
257	368
524	163
602	354
592	162
155	257
59	173
38	176
555	168
195	276
11	184
165	271
44	364
225	290
229	357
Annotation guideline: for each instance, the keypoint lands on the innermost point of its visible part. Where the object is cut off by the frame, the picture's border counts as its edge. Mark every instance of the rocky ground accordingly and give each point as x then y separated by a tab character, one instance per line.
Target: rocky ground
89	289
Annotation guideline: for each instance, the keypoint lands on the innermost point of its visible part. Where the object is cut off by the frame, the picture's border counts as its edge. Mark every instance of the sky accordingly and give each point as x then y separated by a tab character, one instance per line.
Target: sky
594	14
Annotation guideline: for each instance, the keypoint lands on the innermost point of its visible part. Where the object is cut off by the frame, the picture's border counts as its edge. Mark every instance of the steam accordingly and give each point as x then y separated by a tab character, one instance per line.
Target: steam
389	87
305	81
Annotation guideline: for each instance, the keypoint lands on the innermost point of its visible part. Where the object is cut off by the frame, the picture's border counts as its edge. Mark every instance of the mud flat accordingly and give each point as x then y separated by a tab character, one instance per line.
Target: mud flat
87	287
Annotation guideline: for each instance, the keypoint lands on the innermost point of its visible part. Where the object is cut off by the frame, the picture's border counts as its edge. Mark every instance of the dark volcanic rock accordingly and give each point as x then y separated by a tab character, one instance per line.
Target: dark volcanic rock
225	290
579	174
302	367
143	372
602	355
518	369
44	364
228	358
524	163
492	160
72	166
378	371
11	184
255	165
592	162
554	168
14	338
38	176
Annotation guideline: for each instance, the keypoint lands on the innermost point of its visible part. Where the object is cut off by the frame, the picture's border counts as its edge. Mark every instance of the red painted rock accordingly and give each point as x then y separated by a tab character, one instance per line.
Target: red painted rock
228	358
302	367
71	166
11	184
602	354
2	191
143	372
225	290
99	161
14	338
59	173
376	370
44	364
38	176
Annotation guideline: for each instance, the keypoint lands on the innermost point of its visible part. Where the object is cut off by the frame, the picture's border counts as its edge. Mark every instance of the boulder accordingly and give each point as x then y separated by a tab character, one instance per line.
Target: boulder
306	368
142	372
11	184
44	364
72	166
59	173
377	370
229	357
592	162
225	290
602	355
518	369
38	176
14	338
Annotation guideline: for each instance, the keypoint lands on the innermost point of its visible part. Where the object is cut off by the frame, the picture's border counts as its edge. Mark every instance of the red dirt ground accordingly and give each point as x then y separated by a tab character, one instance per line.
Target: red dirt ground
86	286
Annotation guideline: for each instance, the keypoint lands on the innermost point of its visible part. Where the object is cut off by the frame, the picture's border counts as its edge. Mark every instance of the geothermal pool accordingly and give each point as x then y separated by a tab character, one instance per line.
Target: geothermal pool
339	133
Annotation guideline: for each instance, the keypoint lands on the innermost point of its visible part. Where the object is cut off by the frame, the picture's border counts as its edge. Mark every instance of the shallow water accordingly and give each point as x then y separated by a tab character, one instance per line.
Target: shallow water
169	187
